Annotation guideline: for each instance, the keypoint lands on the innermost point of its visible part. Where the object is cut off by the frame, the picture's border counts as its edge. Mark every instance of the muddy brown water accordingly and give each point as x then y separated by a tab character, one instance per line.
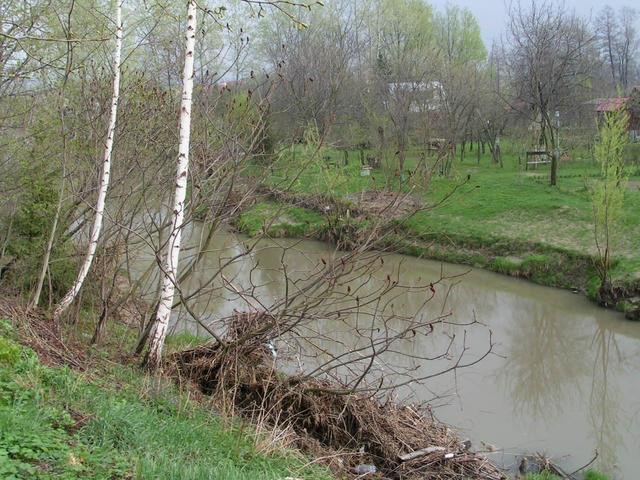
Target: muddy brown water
564	378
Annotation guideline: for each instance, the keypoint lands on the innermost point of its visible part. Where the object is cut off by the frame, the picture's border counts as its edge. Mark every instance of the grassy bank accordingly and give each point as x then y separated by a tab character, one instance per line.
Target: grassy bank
504	219
113	421
75	411
589	475
103	418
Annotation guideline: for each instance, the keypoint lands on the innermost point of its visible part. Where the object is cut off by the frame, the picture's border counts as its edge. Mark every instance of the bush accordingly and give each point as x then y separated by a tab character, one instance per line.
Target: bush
30	230
594	475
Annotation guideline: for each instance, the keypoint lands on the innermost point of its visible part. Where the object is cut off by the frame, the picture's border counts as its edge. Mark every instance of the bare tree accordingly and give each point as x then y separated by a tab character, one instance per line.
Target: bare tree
607	35
314	63
628	46
548	64
404	70
492	115
618	43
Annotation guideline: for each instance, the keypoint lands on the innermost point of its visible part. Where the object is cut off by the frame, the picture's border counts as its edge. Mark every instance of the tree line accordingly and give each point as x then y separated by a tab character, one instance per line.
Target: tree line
91	93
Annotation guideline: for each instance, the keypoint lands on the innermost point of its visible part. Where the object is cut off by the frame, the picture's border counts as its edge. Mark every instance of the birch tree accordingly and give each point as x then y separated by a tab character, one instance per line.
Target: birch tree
106	173
170	268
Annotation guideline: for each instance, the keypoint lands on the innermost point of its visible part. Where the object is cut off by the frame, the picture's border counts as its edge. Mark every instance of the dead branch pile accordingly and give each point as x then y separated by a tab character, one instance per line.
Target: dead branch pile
401	441
393	205
41	335
317	202
370	203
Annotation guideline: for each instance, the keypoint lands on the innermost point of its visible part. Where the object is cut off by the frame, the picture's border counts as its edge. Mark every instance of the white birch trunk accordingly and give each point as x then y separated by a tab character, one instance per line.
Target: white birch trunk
170	270
106	174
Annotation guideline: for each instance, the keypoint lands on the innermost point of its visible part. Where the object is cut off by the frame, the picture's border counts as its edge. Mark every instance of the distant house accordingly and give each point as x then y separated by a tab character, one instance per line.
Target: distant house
424	96
630	103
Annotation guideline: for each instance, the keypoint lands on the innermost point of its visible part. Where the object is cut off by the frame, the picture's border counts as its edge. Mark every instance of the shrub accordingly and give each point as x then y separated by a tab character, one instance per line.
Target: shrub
30	230
594	475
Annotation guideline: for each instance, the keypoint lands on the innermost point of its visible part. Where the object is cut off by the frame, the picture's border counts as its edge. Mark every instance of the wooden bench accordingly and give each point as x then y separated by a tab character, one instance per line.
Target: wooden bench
536	153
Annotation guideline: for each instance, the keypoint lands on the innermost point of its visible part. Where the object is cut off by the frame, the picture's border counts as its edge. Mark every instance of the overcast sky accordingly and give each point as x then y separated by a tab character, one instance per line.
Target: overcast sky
491	14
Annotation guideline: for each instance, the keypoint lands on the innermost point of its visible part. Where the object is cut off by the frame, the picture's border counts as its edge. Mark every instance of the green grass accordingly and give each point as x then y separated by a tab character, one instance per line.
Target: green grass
541	476
505	265
280	220
594	475
501	218
495	202
589	475
118	423
183	341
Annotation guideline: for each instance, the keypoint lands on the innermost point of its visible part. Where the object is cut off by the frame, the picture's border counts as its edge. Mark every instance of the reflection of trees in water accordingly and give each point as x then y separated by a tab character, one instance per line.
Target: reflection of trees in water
604	401
545	361
545	365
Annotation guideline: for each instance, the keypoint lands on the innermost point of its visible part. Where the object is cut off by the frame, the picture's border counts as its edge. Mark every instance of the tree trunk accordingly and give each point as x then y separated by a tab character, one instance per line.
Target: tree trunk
554	167
382	145
106	174
401	161
551	143
158	334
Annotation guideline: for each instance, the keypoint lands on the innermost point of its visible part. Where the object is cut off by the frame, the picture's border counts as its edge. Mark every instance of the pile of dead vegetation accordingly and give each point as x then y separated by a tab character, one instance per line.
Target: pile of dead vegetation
374	204
317	202
353	433
385	203
41	334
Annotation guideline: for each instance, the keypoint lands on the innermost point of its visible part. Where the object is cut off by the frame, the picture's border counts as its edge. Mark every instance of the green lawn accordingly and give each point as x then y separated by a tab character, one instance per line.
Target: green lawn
490	203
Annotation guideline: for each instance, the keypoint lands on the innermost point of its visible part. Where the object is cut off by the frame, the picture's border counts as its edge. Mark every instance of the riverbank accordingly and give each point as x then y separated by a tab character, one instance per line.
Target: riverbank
537	262
72	411
504	220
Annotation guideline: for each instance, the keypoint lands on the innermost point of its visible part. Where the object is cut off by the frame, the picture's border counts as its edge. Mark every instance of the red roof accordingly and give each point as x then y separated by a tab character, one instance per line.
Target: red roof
611	104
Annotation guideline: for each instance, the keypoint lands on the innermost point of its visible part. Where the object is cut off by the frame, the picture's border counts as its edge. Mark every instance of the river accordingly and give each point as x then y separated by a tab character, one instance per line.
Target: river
563	378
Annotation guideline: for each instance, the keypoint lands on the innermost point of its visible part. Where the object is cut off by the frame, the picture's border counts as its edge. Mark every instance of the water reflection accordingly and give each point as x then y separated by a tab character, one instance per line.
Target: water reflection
559	364
564	377
605	413
544	363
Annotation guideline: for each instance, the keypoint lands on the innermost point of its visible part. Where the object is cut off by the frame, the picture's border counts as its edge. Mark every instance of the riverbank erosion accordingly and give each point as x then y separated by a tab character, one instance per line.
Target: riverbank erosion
215	412
391	221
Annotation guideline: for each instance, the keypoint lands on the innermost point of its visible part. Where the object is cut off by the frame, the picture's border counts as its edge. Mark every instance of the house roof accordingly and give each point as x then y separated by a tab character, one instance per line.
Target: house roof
611	104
